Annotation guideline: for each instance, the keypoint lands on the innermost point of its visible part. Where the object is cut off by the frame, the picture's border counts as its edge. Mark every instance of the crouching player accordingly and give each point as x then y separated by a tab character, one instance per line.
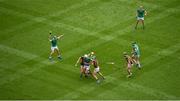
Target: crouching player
82	69
96	67
129	63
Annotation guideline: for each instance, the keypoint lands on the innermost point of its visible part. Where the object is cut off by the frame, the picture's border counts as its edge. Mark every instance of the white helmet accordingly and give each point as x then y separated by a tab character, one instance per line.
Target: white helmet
85	55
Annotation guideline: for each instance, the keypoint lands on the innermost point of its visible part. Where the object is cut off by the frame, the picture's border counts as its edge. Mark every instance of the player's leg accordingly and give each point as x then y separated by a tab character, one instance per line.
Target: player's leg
133	59
87	71
58	53
94	75
138	61
81	71
98	71
51	53
136	24
143	23
129	70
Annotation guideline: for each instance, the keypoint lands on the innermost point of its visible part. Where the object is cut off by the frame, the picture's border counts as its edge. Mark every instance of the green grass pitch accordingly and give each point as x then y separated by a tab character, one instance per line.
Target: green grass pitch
103	26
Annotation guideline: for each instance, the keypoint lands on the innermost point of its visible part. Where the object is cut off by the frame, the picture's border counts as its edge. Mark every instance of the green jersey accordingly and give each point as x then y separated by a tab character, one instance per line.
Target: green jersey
93	57
140	12
54	42
87	61
136	49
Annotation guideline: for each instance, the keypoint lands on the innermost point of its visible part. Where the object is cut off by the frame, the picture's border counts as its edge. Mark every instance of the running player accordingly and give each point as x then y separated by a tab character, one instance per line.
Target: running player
53	39
136	54
96	67
129	63
141	12
96	70
82	69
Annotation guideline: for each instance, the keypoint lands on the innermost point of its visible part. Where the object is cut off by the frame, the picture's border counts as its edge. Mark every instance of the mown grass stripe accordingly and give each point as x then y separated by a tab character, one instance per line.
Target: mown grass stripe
129	85
89	45
34	19
156	18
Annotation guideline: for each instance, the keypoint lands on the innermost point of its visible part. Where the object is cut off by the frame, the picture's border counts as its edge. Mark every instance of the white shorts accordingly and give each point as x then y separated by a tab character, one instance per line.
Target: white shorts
53	48
87	68
96	70
140	18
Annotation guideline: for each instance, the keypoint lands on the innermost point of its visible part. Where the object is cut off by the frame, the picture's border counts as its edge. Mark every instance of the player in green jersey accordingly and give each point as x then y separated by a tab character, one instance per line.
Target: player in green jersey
54	40
136	54
141	12
87	63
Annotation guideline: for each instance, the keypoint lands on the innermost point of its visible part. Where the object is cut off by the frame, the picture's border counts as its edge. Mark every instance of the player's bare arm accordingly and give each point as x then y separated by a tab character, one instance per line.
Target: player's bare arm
60	36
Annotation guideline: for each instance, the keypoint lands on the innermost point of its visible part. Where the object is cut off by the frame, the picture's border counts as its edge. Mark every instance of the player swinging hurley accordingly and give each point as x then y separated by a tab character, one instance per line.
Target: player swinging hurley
53	39
129	63
140	16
